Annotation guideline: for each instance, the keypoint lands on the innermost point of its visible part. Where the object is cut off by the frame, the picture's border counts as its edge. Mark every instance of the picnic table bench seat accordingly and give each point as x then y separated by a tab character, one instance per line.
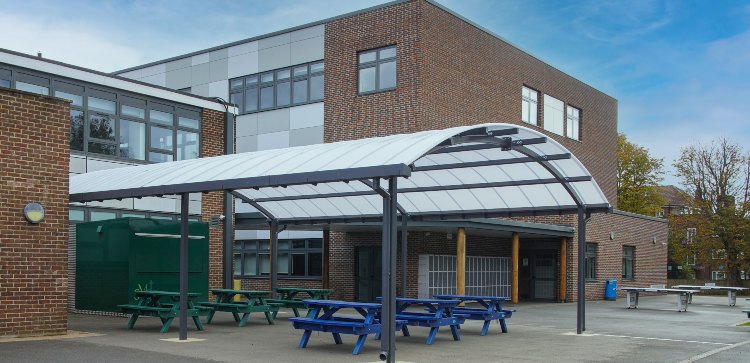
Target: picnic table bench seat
253	303
294	304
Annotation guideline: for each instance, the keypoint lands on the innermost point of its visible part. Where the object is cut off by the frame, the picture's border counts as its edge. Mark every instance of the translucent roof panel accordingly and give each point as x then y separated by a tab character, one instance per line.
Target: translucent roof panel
500	168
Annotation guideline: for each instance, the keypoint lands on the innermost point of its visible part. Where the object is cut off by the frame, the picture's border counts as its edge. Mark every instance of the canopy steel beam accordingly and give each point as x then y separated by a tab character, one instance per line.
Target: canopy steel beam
474	164
485	146
422	189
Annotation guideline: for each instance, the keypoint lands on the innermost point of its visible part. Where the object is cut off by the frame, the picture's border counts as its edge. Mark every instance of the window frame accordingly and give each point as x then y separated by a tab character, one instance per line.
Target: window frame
573	133
260	247
377	63
628	259
591	252
526	104
240	91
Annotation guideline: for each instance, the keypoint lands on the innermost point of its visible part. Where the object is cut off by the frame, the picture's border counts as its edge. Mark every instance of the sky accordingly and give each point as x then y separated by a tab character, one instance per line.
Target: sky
679	69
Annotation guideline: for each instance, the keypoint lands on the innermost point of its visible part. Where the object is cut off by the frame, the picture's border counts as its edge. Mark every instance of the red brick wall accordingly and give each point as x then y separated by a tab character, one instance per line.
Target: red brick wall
212	204
34	139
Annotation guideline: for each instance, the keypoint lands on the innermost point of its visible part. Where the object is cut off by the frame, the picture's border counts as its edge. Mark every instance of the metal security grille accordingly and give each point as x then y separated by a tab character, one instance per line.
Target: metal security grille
489	276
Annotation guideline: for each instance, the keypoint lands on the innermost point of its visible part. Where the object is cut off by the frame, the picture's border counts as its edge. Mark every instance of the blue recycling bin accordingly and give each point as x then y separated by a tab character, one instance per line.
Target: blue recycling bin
610	290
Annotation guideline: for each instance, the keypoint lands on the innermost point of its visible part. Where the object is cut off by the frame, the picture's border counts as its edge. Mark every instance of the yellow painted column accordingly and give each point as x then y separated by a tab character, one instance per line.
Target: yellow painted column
514	262
563	269
461	262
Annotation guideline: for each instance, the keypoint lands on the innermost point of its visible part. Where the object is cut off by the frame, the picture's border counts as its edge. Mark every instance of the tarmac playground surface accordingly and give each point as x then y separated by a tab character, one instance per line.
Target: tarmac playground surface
538	332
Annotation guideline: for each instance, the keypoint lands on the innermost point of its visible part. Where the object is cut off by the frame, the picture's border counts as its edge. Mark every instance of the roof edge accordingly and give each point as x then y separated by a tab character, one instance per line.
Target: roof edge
639	216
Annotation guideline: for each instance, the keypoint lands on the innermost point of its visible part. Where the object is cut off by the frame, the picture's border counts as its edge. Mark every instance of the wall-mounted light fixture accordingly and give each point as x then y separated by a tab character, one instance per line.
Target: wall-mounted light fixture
33	212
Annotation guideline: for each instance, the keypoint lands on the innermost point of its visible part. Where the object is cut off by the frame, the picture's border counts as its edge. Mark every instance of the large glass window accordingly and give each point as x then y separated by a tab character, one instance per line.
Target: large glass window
573	119
590	261
377	70
296	258
553	114
77	122
132	140
161	138
529	106
188	145
628	256
28	87
280	88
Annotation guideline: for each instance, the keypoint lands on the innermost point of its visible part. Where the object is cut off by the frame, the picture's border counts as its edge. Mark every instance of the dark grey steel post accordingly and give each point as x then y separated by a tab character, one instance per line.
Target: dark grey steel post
388	320
274	254
228	207
404	252
185	203
581	270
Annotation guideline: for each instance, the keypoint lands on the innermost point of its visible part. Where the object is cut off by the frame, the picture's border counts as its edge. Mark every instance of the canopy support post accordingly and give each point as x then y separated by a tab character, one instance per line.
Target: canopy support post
184	204
388	321
273	270
581	323
228	206
404	252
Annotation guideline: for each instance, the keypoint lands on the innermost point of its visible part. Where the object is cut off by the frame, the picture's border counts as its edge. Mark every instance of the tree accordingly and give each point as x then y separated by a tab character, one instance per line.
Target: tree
717	174
638	176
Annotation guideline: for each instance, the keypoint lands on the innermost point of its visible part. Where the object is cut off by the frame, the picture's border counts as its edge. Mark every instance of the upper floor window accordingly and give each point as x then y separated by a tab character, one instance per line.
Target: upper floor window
573	118
377	69
280	88
529	103
553	114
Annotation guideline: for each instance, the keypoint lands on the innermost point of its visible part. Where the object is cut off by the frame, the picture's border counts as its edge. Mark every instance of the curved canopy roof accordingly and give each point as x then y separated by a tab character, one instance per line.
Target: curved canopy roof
461	172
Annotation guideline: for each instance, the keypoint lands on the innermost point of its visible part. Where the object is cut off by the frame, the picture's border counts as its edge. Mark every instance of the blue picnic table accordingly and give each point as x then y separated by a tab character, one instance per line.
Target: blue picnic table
439	312
491	309
324	317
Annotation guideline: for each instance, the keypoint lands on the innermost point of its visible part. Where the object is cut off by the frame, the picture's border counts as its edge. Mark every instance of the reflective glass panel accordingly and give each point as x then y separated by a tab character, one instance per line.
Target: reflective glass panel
28	87
161	117
132	140
387	75
266	97
161	138
102	127
102	148
76	100
283	94
365	57
131	111
101	105
251	99
367	79
300	91
188	145
159	158
316	88
76	130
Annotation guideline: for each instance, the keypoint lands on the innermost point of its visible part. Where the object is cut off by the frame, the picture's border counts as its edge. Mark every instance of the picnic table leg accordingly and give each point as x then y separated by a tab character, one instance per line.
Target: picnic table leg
682	302
732	295
243	321
405	330
503	326
197	321
296	313
236	317
165	326
305	338
360	344
210	316
269	317
486	327
337	338
131	321
432	335
455	332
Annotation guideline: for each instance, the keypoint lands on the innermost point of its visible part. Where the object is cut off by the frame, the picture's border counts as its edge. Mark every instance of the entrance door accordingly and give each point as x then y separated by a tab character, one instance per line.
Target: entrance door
543	276
368	278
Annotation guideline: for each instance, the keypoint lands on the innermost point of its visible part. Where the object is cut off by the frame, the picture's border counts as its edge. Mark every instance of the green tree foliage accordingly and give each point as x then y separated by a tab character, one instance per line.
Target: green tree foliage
718	176
638	176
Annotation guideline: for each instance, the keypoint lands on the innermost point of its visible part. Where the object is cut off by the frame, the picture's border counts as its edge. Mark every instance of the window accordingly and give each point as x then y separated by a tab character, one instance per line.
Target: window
718	275
296	258
188	145
76	215
573	118
77	120
100	216
628	253
529	105
720	254
691	259
590	261
28	87
690	235
5	77
553	114
377	70
279	88
132	140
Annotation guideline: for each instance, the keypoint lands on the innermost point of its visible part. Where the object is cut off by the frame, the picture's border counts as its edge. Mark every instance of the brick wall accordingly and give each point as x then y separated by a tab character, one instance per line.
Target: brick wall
34	138
212	203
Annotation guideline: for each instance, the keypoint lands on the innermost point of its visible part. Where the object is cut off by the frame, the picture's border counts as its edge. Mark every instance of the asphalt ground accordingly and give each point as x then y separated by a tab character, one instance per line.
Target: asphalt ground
538	332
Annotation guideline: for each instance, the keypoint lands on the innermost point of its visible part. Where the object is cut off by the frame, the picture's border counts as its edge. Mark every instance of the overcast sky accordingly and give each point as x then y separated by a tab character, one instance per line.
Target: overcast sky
680	70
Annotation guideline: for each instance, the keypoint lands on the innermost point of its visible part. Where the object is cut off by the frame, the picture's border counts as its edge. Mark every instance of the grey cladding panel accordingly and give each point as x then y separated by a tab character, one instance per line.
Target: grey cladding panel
218	54
307	50
200	74
179	64
273	121
307	136
219	70
274	41
180	78
273	58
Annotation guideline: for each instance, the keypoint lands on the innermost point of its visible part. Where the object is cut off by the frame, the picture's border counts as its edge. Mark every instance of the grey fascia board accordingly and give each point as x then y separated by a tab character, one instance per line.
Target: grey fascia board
640	216
491	33
109	75
381	171
263	36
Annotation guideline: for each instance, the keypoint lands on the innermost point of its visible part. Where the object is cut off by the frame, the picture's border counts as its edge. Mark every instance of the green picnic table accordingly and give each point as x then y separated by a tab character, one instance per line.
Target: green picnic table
289	297
254	302
162	304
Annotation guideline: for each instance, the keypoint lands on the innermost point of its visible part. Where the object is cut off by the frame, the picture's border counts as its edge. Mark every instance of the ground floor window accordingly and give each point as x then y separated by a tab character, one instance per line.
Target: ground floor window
628	254
485	276
590	261
718	275
296	258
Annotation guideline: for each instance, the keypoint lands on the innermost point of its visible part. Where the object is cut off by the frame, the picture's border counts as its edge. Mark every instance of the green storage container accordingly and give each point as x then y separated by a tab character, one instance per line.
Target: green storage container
116	257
